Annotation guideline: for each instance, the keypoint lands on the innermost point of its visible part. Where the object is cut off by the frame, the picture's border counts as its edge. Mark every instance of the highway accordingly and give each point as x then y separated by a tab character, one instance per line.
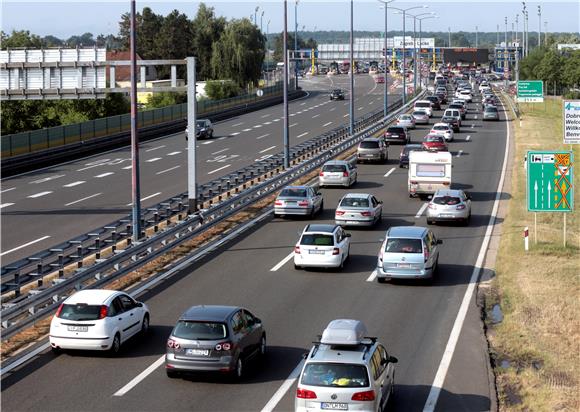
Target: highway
43	208
414	321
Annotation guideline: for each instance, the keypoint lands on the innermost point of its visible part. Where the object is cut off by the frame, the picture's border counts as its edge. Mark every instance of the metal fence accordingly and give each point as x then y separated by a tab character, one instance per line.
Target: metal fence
35	140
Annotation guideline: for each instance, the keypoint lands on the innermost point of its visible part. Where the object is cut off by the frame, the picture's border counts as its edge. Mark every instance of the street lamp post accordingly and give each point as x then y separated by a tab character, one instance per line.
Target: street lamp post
476	32
135	183
539	26
295	43
286	69
421	40
449	34
524	28
261	18
505	57
351	105
415	17
256	15
268	48
386	84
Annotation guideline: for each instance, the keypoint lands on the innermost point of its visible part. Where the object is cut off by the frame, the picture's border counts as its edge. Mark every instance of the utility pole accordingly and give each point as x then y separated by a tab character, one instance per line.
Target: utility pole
191	136
286	69
539	26
352	69
545	33
497	40
506	57
135	181
295	43
449	35
476	31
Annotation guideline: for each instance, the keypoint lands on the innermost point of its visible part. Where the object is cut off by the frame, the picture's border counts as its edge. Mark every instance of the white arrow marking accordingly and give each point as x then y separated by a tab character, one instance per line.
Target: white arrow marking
536	194
549	192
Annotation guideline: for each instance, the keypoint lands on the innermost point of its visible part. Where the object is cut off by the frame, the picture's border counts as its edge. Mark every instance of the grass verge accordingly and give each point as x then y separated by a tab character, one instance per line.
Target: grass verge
536	348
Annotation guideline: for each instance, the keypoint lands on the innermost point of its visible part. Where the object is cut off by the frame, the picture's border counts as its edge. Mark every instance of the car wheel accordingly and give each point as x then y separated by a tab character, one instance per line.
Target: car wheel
263	346
172	374
55	350
312	212
321	208
115	346
297	267
381	280
430	222
239	369
145	325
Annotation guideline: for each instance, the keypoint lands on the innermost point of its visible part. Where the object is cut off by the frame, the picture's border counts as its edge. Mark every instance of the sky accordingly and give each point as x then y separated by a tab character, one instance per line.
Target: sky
66	18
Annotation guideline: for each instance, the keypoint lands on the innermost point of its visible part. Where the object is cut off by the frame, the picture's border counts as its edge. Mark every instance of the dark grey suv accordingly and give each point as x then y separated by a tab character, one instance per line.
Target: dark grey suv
214	339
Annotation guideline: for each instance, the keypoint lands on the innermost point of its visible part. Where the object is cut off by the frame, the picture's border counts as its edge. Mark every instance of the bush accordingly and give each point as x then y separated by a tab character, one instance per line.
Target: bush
221	89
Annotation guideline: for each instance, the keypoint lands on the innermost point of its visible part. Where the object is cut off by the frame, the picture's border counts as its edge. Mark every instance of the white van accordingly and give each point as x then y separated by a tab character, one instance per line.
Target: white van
428	172
424	105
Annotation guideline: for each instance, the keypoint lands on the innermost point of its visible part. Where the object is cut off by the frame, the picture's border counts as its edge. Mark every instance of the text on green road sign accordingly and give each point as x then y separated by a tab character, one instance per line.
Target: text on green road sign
571	122
530	91
550	181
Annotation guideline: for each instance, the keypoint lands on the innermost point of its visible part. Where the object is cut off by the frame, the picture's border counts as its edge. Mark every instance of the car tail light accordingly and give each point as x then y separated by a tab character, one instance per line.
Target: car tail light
278	203
321	174
460	207
297	249
339	212
303	203
103	311
446	183
59	310
173	344
432	206
364	396
335	251
223	346
345	174
365	213
305	394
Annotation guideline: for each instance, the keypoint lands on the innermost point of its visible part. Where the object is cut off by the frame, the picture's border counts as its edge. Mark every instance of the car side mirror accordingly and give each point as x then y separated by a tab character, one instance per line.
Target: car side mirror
347	235
439	242
392	359
380	202
304	355
139	304
257	321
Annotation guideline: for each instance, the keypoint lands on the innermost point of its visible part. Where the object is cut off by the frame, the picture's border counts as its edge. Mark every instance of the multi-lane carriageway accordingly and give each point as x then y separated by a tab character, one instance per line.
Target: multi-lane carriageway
421	325
48	207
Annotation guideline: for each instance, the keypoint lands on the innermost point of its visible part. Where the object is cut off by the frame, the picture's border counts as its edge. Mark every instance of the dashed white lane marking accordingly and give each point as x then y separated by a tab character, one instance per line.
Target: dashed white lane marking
222	138
326	124
101	163
73	184
468	137
217	170
135	381
472	126
257	126
237	124
315	116
267	123
155	148
268	149
105	174
333	109
300	135
39	194
389	172
208	142
302	104
234	134
46	179
153	160
264	135
145	198
282	262
459	153
220	151
360	108
346	115
84	198
168	170
420	212
266	115
475	117
246	130
293	124
259	159
7	190
373	276
131	167
276	120
300	112
292	114
285	387
40	239
173	153
3	205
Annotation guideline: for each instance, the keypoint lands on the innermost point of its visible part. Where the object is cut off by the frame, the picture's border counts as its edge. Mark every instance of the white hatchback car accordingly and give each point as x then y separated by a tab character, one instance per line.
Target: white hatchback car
322	246
444	130
97	319
337	173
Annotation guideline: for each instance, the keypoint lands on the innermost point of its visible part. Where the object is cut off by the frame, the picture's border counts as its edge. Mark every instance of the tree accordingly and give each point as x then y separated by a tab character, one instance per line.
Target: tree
174	41
147	27
571	69
207	31
20	38
278	45
84	40
164	99
239	53
528	64
221	89
550	68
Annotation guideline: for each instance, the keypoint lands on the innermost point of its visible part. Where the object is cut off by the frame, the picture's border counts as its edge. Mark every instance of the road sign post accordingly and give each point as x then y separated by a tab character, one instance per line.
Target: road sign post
530	91
571	121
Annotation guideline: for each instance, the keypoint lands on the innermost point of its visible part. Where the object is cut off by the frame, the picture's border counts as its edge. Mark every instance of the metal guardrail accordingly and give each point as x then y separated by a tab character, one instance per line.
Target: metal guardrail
40	301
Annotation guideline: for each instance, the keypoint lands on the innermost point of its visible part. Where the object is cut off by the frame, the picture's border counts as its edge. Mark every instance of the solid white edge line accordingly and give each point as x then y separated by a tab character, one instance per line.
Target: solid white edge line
389	172
137	379
286	385
24	359
282	262
373	276
40	239
437	384
420	212
217	170
3	205
7	190
84	198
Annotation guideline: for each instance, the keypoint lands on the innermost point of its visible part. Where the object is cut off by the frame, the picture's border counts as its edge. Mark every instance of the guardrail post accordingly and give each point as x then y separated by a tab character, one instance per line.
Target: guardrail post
98	248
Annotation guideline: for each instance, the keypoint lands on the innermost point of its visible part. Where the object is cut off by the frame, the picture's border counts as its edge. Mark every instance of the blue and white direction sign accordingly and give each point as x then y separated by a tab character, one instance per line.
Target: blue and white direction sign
571	121
550	186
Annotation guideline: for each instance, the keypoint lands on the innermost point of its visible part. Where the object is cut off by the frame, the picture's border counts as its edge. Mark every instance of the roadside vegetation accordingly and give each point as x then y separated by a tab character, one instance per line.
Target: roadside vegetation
536	348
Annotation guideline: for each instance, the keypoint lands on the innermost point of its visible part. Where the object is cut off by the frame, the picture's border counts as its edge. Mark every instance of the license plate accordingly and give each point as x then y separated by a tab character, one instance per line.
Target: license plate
403	265
351	222
316	252
445	215
78	328
197	352
334	406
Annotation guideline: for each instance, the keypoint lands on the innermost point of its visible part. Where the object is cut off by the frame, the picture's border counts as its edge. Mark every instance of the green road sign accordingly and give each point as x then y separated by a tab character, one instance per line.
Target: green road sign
530	91
550	185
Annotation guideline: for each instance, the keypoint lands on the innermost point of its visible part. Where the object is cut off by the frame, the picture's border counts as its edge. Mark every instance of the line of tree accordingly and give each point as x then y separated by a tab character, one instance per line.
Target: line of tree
560	70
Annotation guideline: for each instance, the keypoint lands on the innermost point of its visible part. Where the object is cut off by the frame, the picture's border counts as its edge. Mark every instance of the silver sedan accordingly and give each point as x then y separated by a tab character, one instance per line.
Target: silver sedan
298	200
406	120
449	206
421	117
358	209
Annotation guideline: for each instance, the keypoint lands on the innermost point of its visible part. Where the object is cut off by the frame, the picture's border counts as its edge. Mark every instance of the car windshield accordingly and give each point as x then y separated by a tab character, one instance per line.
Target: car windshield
446	200
355	202
339	375
317	239
369	144
80	311
293	192
334	168
337	91
201	123
401	245
193	330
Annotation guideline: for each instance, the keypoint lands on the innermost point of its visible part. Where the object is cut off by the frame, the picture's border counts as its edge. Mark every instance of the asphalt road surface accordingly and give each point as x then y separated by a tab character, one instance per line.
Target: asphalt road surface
44	208
414	321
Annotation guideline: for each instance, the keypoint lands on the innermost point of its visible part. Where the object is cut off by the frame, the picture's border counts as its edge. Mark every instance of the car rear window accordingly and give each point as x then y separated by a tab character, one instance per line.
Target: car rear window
355	202
408	149
402	245
80	311
441	127
317	239
369	145
423	104
338	375
491	109
194	330
395	130
334	168
293	192
447	200
433	138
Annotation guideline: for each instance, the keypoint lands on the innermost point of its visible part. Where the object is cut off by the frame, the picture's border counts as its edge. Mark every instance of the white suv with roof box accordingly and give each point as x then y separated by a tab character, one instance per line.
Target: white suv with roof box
347	371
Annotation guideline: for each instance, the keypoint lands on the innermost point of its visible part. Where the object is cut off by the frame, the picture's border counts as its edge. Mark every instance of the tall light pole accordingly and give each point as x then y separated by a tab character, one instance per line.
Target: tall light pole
351	105
261	18
386	84
295	43
414	17
517	30
135	183
256	15
449	35
527	34
505	57
421	38
268	47
286	69
403	12
545	33
539	26
524	28
476	32
497	38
